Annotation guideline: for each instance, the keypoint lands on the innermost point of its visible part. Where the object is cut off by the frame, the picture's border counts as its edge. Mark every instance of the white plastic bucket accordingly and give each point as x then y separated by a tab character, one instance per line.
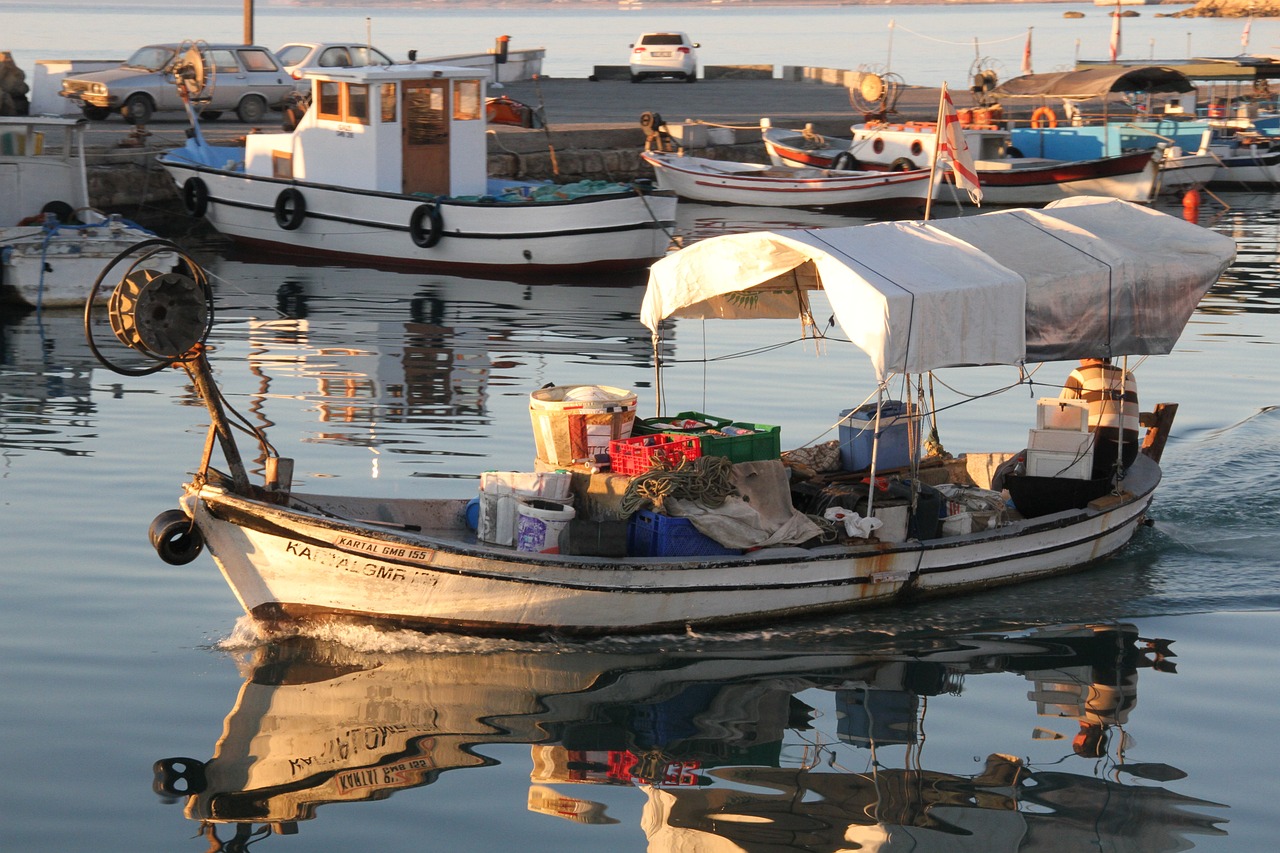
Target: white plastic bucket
500	493
541	526
572	423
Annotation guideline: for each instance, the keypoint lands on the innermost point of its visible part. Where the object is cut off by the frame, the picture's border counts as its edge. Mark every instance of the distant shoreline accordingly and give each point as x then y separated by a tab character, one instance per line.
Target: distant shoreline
637	5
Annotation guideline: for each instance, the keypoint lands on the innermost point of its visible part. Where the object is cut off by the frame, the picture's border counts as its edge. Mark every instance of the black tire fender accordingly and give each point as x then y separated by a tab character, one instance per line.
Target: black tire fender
902	164
175	537
845	162
290	209
195	197
179	777
426	225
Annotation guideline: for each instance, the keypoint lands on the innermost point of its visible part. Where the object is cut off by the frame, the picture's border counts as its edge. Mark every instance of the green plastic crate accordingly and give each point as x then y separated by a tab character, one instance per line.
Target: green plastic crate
764	443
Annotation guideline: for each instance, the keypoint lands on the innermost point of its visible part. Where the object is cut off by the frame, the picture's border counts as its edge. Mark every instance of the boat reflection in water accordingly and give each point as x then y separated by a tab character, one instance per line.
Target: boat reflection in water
46	373
725	745
379	354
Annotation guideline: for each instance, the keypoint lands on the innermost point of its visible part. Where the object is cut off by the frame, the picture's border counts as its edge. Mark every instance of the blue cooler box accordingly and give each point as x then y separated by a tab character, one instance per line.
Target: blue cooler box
857	435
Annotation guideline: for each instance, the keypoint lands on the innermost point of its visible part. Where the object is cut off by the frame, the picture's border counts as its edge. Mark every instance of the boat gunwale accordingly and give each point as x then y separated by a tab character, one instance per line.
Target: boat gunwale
253	514
173	159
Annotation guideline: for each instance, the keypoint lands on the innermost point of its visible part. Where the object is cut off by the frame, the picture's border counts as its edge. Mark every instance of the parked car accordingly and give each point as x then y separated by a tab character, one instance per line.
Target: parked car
245	78
664	55
302	56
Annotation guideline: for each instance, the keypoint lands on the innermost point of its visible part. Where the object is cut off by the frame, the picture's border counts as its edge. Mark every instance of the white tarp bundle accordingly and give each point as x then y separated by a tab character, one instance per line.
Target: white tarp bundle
1082	277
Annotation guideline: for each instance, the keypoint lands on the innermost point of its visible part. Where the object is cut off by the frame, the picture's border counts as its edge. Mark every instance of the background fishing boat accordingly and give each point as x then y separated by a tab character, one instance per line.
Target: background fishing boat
1004	175
410	188
725	182
52	242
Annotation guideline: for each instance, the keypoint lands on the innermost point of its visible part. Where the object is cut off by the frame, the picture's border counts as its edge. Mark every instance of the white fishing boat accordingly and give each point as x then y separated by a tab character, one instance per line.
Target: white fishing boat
52	243
726	182
1005	175
1083	277
390	165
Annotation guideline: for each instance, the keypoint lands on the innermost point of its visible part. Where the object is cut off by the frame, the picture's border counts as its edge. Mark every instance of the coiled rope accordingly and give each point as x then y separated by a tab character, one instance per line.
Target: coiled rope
705	480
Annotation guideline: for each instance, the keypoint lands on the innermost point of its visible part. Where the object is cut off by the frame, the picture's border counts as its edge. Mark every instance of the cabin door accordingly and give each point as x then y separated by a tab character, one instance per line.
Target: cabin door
425	136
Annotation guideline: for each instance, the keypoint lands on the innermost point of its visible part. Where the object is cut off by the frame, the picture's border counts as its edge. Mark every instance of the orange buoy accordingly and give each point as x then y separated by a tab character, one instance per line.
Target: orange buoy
1044	117
1191	205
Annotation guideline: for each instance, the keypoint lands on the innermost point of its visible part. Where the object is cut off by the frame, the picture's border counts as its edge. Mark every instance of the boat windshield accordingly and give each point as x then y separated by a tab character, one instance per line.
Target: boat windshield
152	58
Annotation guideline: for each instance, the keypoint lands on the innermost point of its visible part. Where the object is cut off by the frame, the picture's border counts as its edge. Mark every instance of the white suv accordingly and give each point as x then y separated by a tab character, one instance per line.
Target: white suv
664	55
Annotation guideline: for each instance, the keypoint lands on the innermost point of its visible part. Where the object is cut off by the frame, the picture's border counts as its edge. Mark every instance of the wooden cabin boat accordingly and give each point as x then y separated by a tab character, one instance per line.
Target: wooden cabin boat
389	166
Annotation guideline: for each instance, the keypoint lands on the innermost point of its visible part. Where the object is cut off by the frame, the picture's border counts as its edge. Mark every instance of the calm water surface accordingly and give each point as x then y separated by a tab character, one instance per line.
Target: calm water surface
1131	707
949	726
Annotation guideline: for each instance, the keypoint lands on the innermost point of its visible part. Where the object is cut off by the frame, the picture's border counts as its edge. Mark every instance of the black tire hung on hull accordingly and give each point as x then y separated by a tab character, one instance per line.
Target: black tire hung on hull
426	225
902	164
195	197
175	537
845	162
290	209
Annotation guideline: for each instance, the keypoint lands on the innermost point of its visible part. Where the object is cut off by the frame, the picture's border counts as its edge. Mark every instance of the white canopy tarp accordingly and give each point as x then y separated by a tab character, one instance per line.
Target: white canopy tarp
1082	277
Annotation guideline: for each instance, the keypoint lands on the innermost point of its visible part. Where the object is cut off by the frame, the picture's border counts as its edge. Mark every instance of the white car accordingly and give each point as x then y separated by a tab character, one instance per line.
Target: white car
664	55
302	56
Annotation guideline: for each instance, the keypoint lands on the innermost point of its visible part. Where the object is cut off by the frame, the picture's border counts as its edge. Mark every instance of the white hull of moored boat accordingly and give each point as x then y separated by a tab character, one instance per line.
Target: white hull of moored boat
622	230
723	182
57	268
288	563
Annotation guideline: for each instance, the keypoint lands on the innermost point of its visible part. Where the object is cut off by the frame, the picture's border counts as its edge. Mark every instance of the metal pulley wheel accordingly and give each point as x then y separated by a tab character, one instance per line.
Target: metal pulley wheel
161	314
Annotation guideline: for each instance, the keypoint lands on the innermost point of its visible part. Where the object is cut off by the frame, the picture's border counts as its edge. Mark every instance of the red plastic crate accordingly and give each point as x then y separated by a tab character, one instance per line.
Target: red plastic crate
638	454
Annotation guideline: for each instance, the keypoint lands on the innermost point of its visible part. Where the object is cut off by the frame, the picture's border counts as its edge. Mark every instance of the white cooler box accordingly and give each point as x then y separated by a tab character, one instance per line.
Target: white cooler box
1060	453
1057	413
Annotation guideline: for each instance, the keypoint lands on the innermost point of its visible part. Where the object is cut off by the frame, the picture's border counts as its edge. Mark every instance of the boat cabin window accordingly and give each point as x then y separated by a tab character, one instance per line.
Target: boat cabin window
388	102
329	100
347	102
467	105
357	103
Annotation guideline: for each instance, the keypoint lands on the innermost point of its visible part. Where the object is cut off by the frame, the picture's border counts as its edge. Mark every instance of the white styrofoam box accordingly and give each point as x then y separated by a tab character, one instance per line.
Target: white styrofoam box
1052	463
1059	440
893	523
1059	413
552	485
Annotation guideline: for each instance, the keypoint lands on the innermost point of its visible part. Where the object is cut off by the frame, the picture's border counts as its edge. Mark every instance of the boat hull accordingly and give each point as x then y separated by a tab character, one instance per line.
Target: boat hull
57	269
1248	166
616	231
1017	180
289	564
722	182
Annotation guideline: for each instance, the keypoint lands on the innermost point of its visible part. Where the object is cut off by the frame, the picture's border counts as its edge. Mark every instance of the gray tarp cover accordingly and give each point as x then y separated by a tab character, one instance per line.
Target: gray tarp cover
1081	277
1095	83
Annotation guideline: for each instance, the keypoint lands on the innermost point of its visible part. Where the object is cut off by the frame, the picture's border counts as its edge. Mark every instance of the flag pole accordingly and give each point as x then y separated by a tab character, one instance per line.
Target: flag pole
937	139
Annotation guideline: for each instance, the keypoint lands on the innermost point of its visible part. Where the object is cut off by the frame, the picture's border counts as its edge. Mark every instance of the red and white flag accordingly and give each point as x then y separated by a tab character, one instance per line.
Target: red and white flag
1244	36
1026	54
1115	33
953	148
